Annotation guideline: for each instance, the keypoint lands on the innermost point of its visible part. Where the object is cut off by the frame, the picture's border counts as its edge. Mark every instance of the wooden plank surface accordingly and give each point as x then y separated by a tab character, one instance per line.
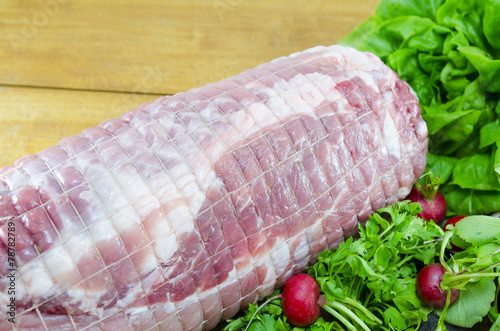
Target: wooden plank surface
174	44
34	118
54	52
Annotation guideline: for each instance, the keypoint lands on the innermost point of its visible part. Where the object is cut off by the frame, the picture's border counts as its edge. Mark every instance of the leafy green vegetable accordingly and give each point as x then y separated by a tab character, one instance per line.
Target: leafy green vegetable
269	318
479	230
465	200
441	166
476	172
449	52
473	271
369	283
472	305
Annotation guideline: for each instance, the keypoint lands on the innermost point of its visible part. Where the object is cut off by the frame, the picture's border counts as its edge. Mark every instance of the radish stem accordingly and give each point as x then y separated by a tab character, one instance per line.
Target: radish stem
440	323
454	278
446	238
341	318
363	309
349	313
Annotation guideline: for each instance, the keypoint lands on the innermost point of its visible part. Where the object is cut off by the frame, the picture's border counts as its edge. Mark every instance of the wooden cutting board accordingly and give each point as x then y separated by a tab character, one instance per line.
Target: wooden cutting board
67	65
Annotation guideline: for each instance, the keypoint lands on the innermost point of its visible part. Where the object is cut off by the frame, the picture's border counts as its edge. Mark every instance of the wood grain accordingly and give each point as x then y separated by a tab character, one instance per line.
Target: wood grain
159	46
54	52
32	119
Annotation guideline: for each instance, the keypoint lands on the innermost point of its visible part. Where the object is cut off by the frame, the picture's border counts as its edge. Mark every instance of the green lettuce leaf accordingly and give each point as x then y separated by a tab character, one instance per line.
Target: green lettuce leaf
441	166
479	230
471	202
449	53
476	172
490	23
395	8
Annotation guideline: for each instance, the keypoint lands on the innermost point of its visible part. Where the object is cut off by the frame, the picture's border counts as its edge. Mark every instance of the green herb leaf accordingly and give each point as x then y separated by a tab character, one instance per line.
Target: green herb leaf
478	230
393	317
472	303
378	271
496	324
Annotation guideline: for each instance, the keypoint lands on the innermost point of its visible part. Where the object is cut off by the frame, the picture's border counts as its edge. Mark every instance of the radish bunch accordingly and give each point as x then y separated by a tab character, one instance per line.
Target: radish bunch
391	277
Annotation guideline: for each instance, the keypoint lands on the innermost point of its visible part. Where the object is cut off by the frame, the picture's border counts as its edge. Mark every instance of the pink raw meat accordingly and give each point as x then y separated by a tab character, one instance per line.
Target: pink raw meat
182	212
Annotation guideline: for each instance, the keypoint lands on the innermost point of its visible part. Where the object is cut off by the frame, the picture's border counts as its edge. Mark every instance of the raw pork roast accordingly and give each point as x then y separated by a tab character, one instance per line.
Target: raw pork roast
182	212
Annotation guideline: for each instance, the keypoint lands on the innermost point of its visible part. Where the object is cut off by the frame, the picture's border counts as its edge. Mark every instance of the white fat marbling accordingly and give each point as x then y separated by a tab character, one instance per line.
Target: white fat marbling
36	278
166	247
391	138
280	255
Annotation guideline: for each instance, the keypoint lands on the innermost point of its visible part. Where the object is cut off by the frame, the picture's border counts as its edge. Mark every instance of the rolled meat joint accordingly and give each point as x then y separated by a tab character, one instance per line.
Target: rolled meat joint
180	213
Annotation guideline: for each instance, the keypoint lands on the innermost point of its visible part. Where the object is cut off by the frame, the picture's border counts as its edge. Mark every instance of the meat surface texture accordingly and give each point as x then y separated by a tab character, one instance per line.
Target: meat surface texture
180	213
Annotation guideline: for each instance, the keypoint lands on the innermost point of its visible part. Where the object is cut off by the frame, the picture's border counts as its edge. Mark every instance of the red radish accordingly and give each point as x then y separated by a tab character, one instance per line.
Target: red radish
433	205
429	286
300	300
453	221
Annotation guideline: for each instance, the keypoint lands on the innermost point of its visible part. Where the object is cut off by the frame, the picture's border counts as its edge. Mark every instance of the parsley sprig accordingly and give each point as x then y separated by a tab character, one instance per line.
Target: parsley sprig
369	282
